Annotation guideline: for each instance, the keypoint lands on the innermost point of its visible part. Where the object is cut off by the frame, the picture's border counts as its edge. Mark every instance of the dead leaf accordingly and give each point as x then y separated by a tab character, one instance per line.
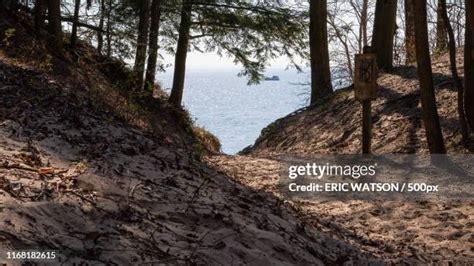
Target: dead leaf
45	170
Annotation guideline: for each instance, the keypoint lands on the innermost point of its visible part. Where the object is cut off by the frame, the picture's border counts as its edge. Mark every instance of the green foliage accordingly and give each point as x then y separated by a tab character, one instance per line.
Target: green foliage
253	33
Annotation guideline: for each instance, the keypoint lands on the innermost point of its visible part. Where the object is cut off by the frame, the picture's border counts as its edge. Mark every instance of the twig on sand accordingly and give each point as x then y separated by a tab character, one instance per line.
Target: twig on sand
81	196
131	192
40	171
197	191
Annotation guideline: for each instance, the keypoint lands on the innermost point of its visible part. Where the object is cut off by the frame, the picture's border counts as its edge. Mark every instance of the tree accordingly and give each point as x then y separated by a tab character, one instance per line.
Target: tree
318	41
108	30
443	12
251	32
343	39
176	95
100	36
441	34
410	58
469	65
384	32
142	40
153	43
39	16
54	21
77	5
360	11
363	24
13	7
428	101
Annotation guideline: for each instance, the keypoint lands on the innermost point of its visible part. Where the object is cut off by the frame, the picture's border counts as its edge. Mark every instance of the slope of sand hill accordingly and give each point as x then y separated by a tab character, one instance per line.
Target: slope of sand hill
425	230
78	178
335	125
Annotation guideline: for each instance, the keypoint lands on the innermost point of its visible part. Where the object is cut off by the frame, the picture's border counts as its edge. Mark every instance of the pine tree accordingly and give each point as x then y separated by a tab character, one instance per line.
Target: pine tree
54	20
77	5
443	12
39	16
251	32
100	36
153	43
384	32
428	100
142	42
409	34
176	95
469	65
318	38
441	34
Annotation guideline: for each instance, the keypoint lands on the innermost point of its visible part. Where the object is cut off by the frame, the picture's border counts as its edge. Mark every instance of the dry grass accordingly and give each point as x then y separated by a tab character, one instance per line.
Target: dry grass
207	139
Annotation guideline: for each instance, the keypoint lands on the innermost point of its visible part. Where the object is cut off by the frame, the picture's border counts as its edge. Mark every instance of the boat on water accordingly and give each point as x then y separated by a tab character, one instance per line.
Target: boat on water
274	78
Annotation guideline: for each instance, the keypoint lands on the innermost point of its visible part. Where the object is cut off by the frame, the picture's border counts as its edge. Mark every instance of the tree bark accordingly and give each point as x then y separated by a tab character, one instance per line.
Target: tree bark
428	100
153	44
77	5
100	36
469	66
454	71
54	21
318	40
441	34
409	34
39	16
13	6
363	22
176	95
108	31
142	41
384	32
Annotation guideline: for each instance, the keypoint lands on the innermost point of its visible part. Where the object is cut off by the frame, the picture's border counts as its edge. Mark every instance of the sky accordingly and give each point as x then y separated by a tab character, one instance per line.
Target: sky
211	61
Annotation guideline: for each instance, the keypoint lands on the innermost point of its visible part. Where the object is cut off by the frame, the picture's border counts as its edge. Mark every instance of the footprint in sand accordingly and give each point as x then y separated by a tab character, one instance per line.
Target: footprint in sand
438	237
456	235
471	238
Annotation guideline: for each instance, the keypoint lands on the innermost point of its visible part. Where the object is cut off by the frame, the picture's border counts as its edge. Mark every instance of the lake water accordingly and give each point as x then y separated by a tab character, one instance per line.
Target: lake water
225	105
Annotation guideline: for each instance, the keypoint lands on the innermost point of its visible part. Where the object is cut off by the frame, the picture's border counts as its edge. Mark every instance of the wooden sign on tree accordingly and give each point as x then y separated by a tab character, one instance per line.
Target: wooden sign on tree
365	89
365	77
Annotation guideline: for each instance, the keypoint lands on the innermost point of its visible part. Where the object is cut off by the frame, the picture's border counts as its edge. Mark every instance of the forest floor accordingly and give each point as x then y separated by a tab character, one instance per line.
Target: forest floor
426	230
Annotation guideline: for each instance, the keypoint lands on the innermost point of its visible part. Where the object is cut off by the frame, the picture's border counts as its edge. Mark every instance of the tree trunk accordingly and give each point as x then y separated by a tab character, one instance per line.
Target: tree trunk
428	100
181	53
14	6
363	22
153	44
454	71
100	36
441	34
142	41
409	34
77	5
384	32
108	31
469	66
54	21
318	40
39	16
